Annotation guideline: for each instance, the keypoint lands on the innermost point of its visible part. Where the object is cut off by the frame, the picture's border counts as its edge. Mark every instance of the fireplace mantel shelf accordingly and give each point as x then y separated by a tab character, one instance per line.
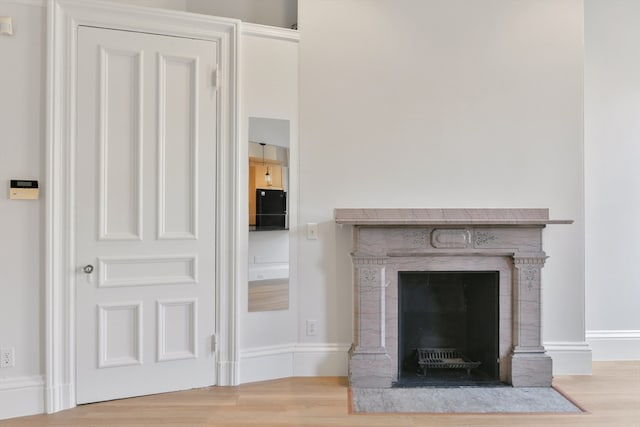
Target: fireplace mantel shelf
453	216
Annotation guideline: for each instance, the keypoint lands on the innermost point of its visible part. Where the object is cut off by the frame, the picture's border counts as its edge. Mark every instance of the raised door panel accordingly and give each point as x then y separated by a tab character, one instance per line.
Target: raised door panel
177	329
147	270
178	147
119	334
120	134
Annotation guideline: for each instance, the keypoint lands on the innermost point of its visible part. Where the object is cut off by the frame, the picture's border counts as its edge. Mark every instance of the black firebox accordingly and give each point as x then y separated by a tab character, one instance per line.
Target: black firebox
448	328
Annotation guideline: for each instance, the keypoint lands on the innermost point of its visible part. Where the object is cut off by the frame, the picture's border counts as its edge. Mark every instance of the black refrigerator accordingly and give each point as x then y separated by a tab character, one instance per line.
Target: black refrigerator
271	209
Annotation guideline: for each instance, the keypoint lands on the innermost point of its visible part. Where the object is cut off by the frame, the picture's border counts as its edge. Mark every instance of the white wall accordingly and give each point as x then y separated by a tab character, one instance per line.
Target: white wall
269	90
612	156
442	103
278	13
22	113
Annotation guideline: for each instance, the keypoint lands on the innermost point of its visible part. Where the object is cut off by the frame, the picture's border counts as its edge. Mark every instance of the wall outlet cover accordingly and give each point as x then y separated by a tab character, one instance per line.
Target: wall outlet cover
7	357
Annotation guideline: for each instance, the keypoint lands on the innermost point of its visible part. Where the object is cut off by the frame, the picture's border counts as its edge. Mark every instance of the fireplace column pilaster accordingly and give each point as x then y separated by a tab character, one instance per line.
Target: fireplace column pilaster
369	364
530	365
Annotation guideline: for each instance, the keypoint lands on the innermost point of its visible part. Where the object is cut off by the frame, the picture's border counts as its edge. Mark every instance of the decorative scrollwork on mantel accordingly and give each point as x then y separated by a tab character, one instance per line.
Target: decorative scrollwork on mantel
530	277
369	276
416	237
529	266
483	238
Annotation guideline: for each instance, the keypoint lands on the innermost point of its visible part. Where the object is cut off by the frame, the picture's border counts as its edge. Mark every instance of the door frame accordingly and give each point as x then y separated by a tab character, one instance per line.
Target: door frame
63	19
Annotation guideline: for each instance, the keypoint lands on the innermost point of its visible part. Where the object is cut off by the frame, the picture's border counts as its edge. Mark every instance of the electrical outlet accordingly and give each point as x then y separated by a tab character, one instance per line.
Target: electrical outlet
311	327
7	357
312	231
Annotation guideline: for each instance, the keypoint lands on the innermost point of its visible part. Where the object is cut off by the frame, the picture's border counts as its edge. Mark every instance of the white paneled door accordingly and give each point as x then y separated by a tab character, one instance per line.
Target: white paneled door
145	204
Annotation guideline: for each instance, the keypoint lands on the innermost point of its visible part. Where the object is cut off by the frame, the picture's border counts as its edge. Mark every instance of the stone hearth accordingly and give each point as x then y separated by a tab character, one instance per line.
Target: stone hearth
389	241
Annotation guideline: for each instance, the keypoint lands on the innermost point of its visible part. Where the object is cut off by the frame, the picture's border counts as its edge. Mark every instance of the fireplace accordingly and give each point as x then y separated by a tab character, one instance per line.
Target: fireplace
447	328
462	280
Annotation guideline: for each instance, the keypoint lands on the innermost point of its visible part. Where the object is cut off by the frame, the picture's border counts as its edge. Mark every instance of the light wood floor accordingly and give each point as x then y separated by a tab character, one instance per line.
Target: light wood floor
611	395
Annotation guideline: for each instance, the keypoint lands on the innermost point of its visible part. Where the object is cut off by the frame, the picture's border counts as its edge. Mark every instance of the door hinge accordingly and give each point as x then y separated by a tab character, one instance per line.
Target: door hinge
214	78
214	343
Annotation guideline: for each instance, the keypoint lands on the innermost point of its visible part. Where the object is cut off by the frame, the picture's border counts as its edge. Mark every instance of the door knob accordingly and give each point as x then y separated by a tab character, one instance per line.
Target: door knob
88	269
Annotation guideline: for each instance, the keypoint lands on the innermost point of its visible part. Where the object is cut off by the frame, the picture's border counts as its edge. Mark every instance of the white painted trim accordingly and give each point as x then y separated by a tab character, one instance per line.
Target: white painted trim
613	334
614	344
293	360
35	3
272	350
63	18
570	357
322	348
12	383
231	220
21	396
267	31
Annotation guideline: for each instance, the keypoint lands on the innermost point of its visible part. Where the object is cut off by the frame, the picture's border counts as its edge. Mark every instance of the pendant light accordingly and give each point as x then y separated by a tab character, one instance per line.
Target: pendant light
267	175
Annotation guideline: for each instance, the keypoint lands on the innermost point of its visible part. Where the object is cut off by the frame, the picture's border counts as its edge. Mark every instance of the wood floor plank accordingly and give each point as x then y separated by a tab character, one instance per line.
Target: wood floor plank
611	395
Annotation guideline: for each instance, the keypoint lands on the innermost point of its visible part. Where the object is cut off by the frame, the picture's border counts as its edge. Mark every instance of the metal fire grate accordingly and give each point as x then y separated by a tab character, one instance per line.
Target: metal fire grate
444	358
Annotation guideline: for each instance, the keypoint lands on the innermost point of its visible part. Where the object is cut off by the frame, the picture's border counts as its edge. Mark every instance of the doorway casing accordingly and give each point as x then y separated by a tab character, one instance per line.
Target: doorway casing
63	18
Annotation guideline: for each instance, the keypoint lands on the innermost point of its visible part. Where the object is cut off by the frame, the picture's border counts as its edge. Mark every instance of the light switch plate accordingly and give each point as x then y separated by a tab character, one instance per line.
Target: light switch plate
6	25
312	231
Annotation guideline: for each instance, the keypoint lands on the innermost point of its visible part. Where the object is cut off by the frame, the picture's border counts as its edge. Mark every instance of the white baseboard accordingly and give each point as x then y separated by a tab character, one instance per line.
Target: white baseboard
321	360
21	396
266	363
570	357
614	344
293	360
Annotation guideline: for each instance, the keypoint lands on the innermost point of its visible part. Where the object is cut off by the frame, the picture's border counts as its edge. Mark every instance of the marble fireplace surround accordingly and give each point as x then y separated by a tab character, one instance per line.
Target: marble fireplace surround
388	241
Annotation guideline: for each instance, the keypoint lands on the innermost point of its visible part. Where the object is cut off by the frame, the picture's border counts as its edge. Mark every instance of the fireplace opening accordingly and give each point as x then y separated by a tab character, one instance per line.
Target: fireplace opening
448	328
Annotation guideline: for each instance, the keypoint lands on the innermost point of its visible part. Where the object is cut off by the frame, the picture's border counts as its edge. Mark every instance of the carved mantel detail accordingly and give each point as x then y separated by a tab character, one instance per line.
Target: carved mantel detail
483	237
371	362
416	237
